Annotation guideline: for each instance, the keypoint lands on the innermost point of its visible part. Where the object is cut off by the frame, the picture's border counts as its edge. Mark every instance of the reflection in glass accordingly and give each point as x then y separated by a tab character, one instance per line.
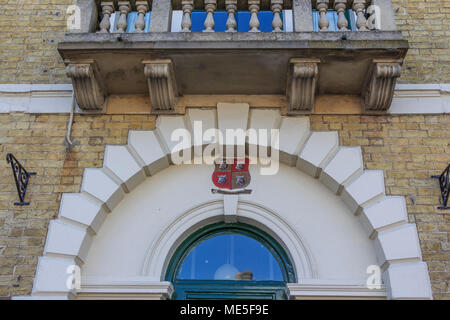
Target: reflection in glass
242	19
333	19
230	257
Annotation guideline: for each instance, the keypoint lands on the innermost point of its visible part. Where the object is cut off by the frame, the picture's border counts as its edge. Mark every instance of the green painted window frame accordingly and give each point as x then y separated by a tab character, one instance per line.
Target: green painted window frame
232	289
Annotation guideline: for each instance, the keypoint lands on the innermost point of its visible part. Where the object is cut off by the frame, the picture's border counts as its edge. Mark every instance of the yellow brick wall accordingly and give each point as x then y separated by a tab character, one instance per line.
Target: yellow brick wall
31	29
426	25
36	140
408	148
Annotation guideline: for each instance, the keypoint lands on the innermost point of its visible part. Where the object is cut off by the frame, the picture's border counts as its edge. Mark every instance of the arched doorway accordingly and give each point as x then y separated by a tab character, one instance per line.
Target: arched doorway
122	229
230	261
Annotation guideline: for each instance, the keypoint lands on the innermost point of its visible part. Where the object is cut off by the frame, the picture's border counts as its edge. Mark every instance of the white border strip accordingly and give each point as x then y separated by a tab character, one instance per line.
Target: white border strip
421	98
57	98
36	98
334	289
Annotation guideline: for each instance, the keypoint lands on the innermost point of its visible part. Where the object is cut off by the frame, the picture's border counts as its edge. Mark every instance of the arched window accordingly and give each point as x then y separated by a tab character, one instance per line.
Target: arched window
230	261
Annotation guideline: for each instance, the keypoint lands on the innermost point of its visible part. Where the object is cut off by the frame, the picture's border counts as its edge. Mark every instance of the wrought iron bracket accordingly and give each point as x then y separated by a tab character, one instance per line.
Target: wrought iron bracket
444	184
21	177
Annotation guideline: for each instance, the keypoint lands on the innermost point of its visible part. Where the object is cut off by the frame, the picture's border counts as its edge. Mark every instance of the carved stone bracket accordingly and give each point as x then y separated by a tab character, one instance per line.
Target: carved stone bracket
379	86
301	86
161	85
87	82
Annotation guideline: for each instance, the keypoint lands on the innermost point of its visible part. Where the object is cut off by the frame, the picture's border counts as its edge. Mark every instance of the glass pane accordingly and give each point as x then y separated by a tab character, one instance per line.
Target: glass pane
177	16
287	21
230	257
333	19
265	19
131	21
220	20
198	21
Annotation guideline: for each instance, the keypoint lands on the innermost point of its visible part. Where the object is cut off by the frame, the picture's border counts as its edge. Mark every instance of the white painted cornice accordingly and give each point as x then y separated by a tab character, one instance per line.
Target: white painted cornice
124	288
421	99
333	289
36	98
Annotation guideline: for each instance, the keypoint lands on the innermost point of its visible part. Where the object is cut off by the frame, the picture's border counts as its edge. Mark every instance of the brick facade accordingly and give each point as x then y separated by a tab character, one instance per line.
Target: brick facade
31	30
426	25
37	141
408	148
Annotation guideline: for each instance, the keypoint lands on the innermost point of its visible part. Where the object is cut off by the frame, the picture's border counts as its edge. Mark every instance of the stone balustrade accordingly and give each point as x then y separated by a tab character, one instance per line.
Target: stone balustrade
303	15
235	47
122	9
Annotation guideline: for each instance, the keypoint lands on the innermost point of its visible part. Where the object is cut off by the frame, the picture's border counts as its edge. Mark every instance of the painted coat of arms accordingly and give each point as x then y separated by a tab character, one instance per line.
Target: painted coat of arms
232	176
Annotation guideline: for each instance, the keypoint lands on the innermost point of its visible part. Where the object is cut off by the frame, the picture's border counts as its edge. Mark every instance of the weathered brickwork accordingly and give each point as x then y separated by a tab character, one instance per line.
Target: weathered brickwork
408	148
36	140
31	30
426	25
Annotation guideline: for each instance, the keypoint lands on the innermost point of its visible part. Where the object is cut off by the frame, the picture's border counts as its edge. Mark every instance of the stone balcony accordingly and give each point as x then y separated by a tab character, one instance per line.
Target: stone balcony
362	56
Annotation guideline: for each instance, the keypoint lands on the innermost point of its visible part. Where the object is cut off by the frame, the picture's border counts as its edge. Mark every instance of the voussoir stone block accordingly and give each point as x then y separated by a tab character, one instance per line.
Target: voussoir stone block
294	131
199	121
67	239
230	208
81	209
52	275
232	116
98	184
266	120
386	213
345	165
317	152
400	244
203	128
172	130
120	163
232	119
146	147
408	281
369	186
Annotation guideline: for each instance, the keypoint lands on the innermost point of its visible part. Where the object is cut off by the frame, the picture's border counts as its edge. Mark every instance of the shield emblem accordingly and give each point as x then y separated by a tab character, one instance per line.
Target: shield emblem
232	175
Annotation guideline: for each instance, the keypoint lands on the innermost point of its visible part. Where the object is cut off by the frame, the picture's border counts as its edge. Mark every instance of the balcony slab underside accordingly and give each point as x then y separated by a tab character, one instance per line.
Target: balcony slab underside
239	63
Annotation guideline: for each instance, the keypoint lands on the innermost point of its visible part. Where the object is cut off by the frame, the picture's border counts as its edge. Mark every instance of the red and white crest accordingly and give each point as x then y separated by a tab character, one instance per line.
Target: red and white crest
232	175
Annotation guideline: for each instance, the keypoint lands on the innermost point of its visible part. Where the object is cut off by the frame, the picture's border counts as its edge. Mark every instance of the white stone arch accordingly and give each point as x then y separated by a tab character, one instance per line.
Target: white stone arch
162	249
315	153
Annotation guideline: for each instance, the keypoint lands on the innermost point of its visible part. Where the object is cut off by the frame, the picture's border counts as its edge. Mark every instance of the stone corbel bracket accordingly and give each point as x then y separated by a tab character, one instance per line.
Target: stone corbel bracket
162	85
88	85
378	90
301	85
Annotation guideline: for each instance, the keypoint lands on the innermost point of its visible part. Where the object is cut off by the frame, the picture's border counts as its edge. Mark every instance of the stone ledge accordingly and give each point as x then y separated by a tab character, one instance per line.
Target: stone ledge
332	39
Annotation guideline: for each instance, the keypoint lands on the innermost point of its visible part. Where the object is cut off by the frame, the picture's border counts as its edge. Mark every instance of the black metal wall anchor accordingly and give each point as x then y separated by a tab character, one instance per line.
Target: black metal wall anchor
21	177
444	184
